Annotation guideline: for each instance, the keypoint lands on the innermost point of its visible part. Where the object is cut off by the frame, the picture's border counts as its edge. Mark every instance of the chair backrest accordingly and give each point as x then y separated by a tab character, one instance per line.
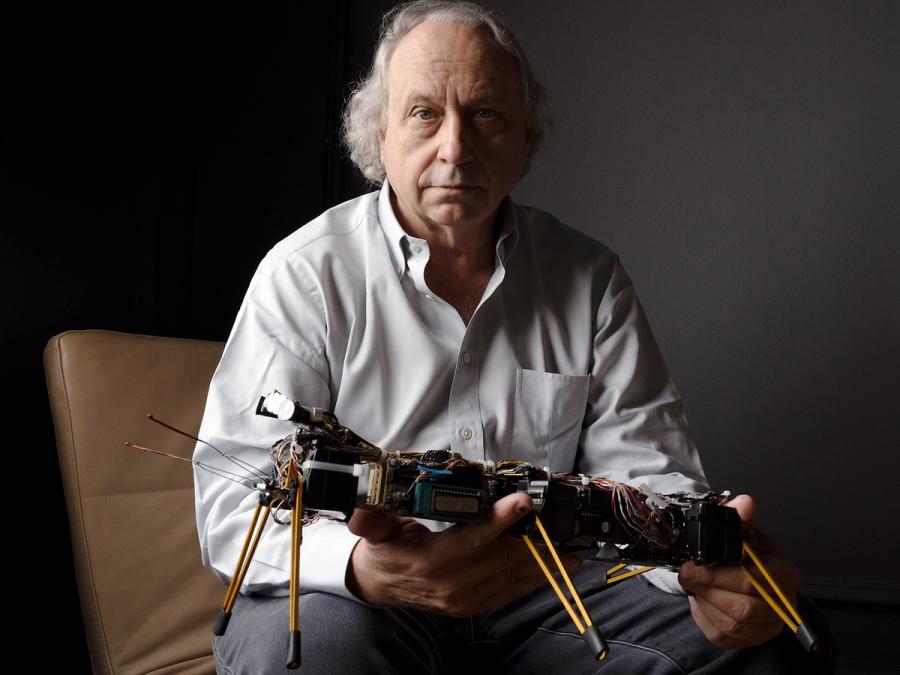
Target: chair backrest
147	601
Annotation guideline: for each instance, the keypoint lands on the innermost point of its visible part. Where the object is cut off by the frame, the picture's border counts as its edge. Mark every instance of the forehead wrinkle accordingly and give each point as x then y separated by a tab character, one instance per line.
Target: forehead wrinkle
463	42
440	90
459	58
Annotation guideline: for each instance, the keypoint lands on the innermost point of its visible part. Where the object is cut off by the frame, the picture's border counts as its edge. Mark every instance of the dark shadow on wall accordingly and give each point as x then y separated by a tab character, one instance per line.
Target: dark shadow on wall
152	156
743	159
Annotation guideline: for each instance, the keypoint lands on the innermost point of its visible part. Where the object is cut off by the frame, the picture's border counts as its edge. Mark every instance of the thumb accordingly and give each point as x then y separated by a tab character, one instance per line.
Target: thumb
375	526
746	508
467	538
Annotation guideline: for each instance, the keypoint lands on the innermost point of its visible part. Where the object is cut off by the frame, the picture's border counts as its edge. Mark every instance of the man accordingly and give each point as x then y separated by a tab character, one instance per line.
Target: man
437	313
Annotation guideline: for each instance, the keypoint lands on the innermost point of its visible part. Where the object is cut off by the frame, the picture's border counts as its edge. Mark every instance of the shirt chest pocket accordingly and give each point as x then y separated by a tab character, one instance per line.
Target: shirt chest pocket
548	415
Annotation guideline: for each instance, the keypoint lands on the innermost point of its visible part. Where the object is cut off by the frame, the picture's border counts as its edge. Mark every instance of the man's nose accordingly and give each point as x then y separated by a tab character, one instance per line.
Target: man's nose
455	141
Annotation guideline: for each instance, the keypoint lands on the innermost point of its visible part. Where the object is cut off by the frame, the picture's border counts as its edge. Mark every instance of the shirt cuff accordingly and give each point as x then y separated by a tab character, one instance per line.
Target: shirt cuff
324	559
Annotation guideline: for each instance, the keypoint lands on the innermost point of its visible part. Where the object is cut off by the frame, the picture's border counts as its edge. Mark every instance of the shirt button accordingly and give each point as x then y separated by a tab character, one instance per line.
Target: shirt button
466	433
415	248
467	358
428	297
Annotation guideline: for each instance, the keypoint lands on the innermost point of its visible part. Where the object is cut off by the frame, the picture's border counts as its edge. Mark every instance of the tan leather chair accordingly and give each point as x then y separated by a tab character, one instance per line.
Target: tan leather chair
147	601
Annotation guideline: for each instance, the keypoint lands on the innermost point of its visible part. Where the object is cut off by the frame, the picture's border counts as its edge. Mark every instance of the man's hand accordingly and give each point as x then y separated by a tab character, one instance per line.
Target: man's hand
725	605
464	570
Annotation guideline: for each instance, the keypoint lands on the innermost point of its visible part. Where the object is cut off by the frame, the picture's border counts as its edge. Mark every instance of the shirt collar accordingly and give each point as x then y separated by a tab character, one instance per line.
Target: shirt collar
399	241
393	232
509	229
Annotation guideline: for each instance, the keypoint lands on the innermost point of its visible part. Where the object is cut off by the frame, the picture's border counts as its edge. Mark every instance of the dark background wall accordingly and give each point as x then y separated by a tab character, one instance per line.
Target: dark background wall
744	160
741	157
153	154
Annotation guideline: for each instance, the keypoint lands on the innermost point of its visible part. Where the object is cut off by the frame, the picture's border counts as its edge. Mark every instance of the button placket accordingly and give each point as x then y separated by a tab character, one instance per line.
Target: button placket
465	406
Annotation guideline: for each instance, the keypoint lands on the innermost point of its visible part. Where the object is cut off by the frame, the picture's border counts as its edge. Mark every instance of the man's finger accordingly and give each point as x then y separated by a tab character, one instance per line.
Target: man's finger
727	607
697	578
746	508
725	632
375	526
509	592
464	539
526	577
508	561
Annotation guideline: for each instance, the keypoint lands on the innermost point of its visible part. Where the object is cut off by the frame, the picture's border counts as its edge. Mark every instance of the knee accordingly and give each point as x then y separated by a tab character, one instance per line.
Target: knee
256	639
336	635
332	623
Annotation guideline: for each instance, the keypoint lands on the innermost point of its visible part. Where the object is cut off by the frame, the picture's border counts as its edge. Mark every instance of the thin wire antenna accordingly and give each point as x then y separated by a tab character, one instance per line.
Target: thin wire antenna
254	471
216	471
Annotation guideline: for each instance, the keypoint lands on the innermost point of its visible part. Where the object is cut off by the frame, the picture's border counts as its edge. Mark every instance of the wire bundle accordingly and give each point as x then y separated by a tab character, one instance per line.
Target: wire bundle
634	512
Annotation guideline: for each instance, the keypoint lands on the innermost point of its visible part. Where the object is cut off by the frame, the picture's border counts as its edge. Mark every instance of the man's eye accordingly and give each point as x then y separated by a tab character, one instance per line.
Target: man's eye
424	114
485	113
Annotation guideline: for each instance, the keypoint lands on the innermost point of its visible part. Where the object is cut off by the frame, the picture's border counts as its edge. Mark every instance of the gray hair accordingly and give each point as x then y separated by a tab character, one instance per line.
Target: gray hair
365	114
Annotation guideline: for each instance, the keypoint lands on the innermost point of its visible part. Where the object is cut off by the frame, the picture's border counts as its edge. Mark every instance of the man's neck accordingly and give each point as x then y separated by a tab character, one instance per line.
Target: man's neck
467	248
461	259
460	273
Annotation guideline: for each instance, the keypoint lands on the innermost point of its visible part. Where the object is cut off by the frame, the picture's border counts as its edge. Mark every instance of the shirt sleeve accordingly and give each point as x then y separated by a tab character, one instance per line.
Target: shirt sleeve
277	342
635	429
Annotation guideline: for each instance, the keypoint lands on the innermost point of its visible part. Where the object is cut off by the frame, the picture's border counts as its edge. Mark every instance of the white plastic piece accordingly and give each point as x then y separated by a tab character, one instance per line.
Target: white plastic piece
285	409
279	405
584	479
328	466
606	551
664	579
652	497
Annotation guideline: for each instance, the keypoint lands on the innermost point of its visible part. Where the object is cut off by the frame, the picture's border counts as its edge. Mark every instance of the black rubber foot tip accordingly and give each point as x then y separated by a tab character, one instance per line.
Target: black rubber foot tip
221	624
293	659
595	643
808	639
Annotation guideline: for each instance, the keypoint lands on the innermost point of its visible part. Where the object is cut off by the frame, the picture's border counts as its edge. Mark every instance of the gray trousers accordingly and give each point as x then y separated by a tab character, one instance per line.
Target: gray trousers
649	632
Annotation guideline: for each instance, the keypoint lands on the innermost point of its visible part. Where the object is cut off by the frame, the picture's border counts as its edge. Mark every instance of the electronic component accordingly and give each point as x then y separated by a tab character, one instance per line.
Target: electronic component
318	469
633	524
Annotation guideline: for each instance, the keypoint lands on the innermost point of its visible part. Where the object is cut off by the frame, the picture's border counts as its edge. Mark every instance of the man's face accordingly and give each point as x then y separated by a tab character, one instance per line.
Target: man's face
456	140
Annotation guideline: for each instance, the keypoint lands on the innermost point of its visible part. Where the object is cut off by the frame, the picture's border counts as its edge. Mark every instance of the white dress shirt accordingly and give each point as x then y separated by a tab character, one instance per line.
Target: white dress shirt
557	366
